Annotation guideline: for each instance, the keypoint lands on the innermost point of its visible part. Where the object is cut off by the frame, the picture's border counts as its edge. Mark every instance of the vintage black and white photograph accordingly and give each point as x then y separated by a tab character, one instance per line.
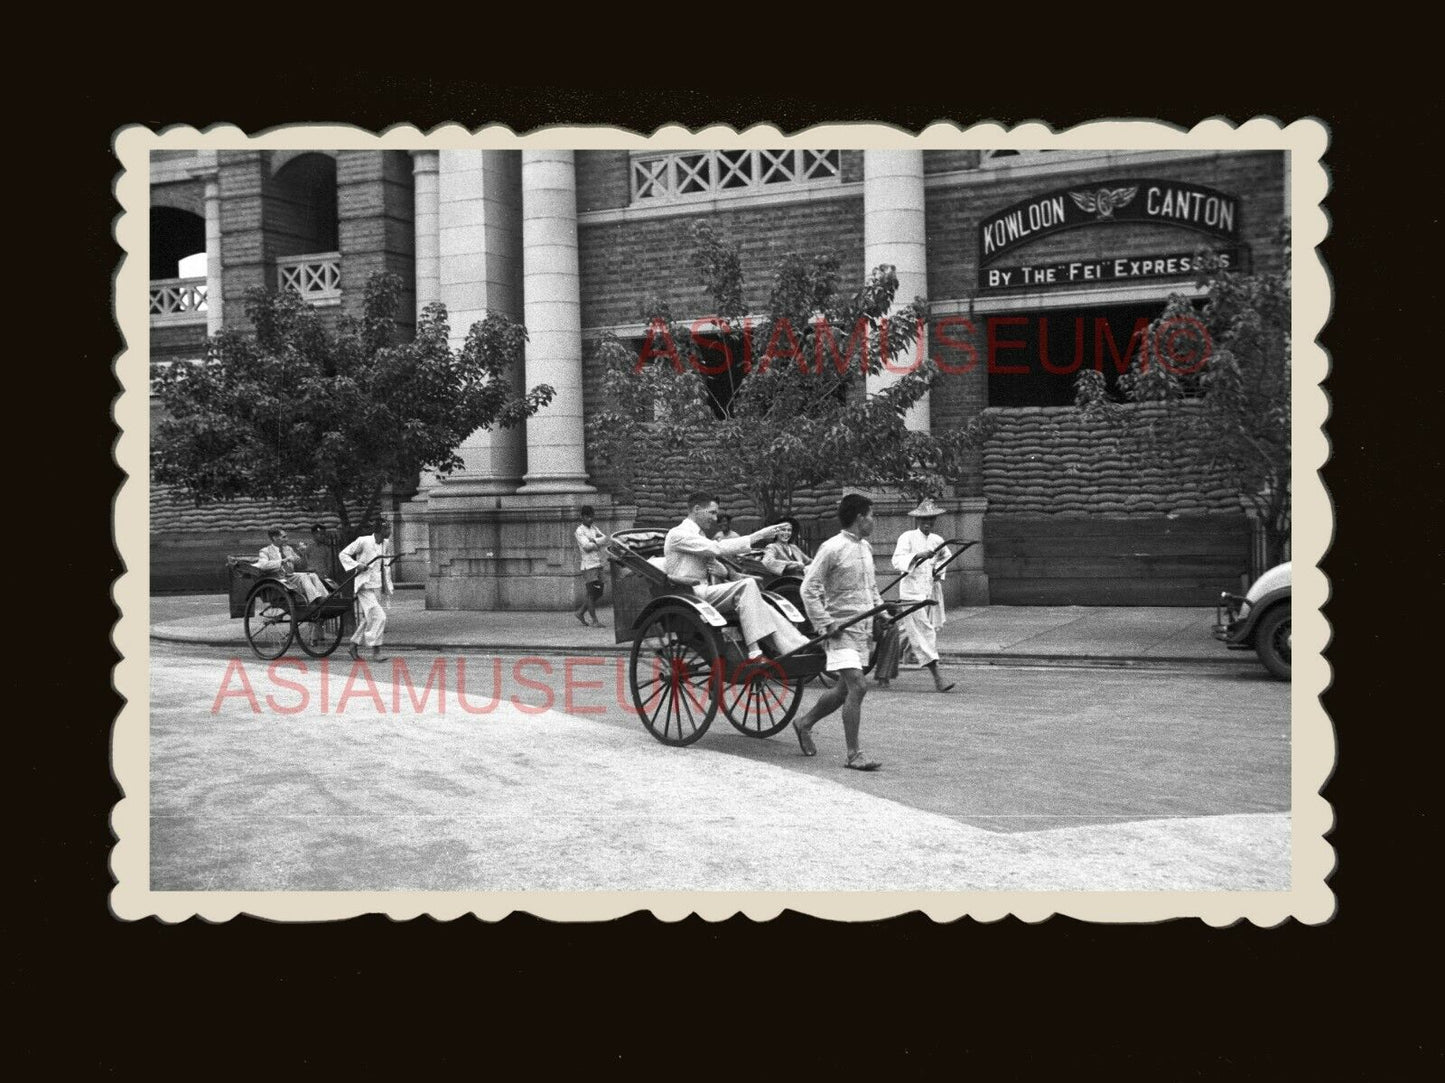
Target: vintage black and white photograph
832	519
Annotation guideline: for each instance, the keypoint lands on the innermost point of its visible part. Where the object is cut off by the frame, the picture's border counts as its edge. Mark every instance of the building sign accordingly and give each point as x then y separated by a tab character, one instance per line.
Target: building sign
1168	203
1113	269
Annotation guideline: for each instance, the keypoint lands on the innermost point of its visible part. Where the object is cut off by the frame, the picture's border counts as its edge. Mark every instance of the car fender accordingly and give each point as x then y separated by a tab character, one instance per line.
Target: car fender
1245	631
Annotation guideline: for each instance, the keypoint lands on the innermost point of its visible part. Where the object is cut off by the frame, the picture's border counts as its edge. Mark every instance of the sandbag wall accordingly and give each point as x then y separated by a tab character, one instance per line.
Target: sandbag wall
1082	513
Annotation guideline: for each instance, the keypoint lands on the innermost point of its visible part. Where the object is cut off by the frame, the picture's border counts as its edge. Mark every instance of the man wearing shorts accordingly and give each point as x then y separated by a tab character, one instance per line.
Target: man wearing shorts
591	545
839	585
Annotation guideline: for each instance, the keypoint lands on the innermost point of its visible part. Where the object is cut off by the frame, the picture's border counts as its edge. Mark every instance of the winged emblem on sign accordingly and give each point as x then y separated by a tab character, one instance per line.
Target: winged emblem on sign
1105	201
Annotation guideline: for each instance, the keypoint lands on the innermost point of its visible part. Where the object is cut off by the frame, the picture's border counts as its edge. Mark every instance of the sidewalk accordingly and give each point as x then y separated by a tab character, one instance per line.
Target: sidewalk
1057	635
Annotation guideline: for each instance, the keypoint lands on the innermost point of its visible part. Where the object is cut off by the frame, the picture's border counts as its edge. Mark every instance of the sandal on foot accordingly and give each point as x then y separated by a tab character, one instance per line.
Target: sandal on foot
947	687
856	761
805	740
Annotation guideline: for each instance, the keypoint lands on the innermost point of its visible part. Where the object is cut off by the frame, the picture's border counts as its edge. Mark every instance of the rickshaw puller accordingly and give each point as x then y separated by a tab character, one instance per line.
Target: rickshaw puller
374	578
918	553
840	584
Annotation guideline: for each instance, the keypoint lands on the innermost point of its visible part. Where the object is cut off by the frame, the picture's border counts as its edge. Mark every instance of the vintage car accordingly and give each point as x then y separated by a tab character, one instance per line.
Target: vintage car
1259	620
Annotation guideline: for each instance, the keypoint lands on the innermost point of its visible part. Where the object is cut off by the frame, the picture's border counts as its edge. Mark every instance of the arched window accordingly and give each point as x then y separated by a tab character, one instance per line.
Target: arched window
175	235
301	223
178	266
302	211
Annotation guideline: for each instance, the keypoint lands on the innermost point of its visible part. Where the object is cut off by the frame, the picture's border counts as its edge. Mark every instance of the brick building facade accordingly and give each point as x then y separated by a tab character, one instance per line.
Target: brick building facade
1092	244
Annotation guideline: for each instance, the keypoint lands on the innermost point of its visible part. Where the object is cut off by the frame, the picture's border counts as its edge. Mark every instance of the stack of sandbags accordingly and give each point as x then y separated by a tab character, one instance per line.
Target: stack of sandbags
1058	461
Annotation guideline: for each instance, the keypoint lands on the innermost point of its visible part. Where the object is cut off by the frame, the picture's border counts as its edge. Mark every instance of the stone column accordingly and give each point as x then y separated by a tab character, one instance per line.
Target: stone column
412	532
479	263
553	314
215	303
893	232
428	252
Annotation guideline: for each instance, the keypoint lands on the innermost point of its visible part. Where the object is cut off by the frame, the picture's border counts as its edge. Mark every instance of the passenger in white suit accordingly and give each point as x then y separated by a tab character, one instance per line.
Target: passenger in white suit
919	553
690	555
280	559
372	580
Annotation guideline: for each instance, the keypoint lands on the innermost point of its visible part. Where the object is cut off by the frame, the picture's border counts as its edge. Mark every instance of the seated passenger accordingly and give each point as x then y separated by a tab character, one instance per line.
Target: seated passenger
278	557
724	530
782	557
691	557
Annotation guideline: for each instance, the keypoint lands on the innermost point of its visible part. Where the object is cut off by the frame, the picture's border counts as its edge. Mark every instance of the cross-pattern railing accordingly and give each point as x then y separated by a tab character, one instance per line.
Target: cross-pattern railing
178	300
682	175
316	276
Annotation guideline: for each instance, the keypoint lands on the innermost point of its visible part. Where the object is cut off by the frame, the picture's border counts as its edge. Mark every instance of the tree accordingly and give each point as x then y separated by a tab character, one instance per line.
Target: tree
293	410
1223	376
772	407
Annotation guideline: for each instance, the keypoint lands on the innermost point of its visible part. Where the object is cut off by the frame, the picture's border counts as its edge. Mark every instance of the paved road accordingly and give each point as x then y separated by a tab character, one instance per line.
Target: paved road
537	776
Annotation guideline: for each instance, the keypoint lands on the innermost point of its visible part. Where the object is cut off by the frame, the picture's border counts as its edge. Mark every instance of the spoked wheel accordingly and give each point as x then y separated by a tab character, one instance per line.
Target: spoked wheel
760	700
320	637
674	672
270	620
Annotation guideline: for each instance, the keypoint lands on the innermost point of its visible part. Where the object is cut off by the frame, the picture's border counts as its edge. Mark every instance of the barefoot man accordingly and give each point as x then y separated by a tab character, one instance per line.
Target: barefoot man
840	584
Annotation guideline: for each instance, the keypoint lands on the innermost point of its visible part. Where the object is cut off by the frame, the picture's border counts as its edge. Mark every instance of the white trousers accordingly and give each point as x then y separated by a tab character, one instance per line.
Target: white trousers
921	631
308	583
370	628
758	619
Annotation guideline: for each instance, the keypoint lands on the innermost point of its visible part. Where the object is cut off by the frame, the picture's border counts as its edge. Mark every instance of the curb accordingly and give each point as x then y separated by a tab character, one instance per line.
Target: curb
1074	661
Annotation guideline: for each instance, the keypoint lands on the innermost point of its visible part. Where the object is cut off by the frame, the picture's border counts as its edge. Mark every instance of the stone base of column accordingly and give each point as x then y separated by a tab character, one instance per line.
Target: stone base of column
966	583
411	540
547	484
510	552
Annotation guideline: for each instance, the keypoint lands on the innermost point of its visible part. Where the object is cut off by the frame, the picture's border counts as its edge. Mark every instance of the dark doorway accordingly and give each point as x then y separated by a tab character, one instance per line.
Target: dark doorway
1034	357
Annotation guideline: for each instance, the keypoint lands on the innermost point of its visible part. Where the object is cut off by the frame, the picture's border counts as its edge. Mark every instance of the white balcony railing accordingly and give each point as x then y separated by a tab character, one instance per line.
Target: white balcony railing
707	174
316	276
178	300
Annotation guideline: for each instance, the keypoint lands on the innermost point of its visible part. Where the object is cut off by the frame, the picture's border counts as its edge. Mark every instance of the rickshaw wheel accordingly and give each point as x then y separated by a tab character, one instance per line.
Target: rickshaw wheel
270	620
763	701
326	633
675	676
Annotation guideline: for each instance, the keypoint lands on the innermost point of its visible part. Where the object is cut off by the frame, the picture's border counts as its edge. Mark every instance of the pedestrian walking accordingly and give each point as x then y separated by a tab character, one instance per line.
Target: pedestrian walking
369	554
919	554
840	584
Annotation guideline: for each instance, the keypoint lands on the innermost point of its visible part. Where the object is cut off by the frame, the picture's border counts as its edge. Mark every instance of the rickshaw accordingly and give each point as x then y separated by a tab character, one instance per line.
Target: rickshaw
276	615
688	660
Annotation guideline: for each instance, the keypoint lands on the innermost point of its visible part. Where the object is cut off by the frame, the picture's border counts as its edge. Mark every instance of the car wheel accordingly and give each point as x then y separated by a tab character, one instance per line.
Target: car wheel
1272	642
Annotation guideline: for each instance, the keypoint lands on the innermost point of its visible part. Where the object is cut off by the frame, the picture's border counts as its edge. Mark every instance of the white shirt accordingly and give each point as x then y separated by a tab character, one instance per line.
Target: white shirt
919	583
365	548
840	582
589	543
691	554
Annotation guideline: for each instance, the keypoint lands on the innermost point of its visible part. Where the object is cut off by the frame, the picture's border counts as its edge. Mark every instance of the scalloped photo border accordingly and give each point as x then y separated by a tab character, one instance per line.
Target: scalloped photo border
1309	900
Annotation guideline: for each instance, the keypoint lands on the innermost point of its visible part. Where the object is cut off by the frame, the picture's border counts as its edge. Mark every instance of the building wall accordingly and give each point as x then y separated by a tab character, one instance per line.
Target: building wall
1041	464
375	212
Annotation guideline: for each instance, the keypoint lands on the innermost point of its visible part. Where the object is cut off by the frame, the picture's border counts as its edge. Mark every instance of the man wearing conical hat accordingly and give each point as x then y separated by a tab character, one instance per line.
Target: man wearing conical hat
919	553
